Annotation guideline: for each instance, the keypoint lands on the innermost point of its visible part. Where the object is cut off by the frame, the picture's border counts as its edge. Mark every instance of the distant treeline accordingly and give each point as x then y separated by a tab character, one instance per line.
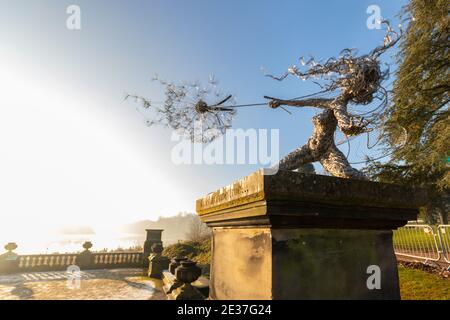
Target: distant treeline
175	228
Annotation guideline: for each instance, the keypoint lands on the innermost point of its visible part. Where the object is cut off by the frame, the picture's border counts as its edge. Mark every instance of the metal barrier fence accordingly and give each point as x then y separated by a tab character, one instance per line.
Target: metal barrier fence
444	238
423	242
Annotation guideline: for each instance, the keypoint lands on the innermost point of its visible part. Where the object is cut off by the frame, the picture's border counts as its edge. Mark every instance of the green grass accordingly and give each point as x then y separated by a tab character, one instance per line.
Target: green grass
197	251
421	285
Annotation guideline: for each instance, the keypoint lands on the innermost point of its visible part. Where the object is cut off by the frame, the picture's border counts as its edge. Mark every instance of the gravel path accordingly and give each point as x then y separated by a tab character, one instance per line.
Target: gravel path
115	284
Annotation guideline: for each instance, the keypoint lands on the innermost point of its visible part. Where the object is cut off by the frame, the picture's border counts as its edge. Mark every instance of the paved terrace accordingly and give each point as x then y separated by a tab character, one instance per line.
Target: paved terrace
111	284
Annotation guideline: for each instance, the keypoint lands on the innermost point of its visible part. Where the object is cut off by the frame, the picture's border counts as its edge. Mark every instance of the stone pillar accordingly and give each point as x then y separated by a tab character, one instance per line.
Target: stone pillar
158	263
9	261
296	236
153	237
85	259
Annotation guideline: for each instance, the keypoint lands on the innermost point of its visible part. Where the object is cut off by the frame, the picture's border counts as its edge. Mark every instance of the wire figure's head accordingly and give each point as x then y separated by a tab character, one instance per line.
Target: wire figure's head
358	77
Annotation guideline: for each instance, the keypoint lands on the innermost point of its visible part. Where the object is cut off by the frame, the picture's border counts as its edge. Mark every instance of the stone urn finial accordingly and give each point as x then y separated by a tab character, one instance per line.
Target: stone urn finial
187	273
9	262
175	263
87	245
11	246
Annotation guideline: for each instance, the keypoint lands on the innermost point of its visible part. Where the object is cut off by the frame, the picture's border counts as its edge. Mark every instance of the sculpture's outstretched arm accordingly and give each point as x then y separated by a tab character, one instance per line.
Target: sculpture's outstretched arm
318	103
349	125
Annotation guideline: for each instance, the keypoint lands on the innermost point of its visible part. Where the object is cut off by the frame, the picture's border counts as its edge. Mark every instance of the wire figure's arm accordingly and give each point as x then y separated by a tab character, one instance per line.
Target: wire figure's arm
318	103
348	124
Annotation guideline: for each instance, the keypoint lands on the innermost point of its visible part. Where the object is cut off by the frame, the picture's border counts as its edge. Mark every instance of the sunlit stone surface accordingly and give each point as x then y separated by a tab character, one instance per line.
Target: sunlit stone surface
296	236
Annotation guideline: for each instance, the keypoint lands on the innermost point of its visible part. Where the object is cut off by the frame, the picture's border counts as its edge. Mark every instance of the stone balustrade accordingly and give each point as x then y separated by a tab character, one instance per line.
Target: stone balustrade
182	282
44	262
11	262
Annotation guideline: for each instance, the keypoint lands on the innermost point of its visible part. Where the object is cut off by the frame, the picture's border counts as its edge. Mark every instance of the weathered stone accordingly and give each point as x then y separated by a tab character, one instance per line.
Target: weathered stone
86	258
186	292
170	283
297	200
9	261
175	263
296	236
158	263
153	237
187	273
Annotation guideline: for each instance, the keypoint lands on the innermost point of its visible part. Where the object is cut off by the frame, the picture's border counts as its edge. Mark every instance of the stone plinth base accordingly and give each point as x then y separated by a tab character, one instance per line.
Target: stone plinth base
265	263
158	264
295	236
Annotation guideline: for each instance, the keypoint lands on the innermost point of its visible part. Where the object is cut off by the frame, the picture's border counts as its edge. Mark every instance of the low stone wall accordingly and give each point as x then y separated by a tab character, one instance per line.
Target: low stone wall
11	262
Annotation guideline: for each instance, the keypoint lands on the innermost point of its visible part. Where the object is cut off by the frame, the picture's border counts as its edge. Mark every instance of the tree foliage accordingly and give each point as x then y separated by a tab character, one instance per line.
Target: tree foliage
417	126
198	231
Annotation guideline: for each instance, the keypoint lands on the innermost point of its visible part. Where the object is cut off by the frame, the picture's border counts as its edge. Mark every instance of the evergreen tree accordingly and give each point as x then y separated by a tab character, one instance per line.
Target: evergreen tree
417	129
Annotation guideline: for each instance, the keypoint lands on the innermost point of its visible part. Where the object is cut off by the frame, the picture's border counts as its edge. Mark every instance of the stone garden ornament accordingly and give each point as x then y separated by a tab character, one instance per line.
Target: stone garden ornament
353	79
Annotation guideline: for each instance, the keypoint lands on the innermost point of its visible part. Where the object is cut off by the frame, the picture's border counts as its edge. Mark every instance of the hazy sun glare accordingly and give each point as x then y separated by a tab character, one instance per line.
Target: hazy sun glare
63	162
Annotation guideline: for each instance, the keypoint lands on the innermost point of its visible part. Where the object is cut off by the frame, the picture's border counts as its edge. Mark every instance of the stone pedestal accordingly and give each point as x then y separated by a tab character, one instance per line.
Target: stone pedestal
9	261
86	258
153	237
296	236
158	263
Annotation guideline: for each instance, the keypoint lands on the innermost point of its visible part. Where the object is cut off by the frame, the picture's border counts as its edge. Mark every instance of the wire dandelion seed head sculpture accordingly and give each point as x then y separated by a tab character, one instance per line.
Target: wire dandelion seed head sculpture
195	111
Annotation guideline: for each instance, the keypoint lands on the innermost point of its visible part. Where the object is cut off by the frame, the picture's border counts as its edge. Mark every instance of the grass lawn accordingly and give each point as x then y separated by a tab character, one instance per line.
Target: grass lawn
421	285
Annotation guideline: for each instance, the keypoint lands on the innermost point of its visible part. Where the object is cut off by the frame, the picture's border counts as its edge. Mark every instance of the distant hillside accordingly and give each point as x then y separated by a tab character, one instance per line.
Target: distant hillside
175	228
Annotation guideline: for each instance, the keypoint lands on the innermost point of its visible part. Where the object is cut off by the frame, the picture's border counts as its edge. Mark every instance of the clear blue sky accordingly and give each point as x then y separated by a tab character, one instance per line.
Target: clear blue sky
73	148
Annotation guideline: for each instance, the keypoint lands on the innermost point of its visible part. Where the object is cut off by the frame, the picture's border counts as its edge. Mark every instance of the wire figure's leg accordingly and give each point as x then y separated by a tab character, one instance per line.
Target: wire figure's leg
317	146
297	158
335	162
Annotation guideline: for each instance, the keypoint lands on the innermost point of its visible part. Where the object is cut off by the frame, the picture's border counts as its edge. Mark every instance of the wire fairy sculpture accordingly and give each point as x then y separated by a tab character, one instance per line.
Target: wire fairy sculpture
359	79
